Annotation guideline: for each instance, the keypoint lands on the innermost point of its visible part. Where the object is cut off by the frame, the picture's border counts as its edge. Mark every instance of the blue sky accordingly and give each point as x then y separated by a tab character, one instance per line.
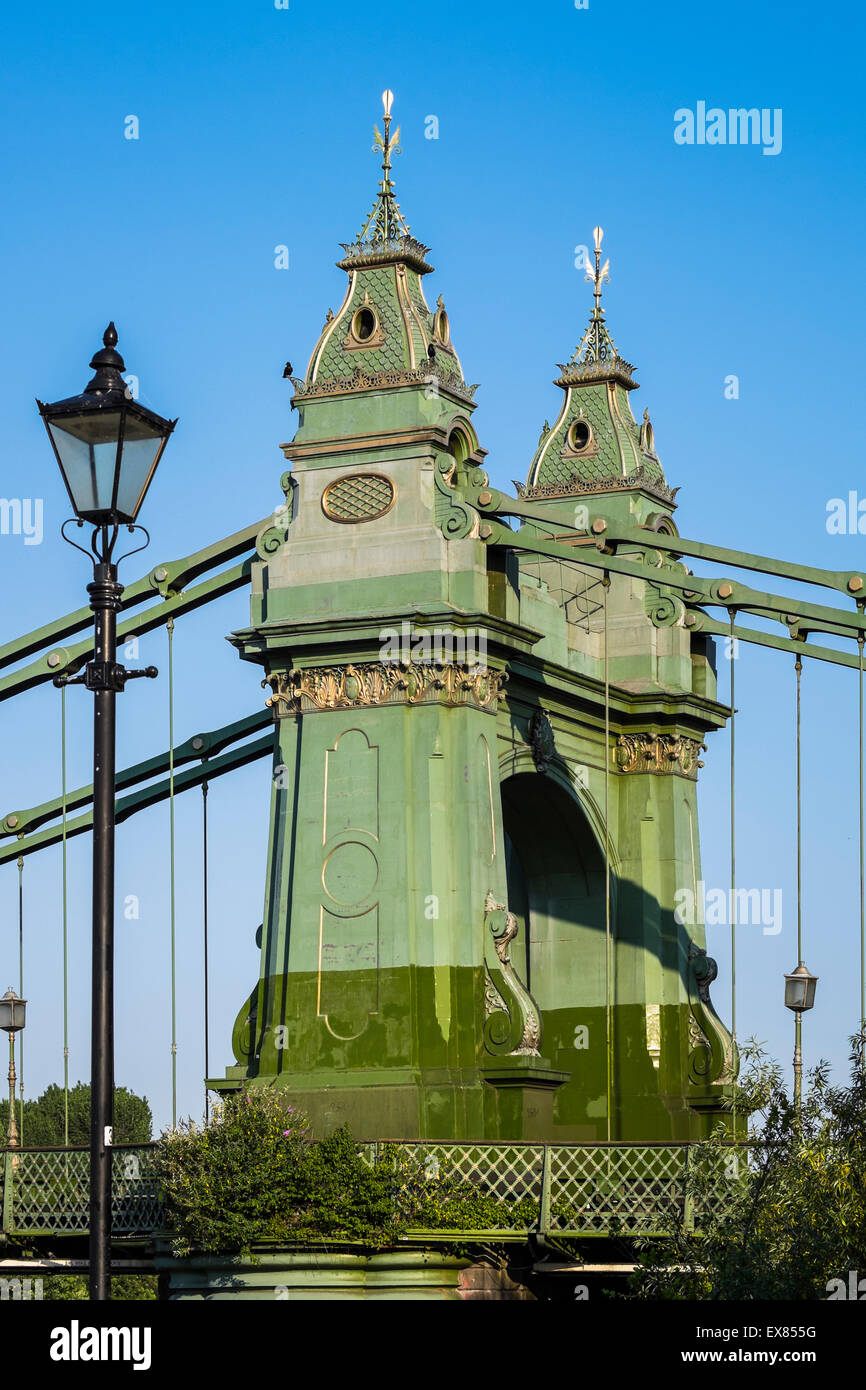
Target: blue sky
255	131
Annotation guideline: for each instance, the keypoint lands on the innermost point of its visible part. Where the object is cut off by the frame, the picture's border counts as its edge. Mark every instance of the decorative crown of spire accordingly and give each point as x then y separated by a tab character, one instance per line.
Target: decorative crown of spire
596	354
385	234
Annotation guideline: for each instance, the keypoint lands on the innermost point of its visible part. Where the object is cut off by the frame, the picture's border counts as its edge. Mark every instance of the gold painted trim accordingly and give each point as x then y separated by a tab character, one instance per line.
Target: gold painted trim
610	400
550	434
405	303
420	319
323	341
628	431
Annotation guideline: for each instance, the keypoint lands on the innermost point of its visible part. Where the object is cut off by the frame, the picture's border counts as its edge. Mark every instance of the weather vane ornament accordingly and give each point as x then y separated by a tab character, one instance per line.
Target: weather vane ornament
385	234
596	354
602	272
386	144
386	223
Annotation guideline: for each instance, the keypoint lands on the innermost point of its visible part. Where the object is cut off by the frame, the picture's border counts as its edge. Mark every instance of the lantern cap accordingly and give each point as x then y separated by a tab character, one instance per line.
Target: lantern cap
108	365
106	389
801	972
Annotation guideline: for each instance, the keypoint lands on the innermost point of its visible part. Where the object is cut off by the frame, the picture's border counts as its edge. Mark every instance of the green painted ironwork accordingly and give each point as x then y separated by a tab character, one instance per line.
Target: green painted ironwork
204	745
801	617
68	660
146	796
696	589
704	623
46	1191
500	504
168	579
740	559
579	1190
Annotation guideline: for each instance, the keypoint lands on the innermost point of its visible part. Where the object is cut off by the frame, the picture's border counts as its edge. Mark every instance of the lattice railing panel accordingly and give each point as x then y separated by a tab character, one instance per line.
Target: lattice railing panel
508	1172
588	1189
636	1190
50	1191
136	1205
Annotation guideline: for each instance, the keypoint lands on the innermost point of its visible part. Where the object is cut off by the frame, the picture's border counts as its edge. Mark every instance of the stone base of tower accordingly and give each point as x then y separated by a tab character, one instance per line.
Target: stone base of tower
438	1105
556	1098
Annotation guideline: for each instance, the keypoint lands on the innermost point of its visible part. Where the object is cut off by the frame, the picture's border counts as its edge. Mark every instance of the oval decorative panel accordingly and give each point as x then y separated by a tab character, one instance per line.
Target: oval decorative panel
358	497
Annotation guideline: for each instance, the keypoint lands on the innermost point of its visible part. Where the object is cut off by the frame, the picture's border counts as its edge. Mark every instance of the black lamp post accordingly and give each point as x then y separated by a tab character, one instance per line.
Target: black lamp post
12	1015
108	447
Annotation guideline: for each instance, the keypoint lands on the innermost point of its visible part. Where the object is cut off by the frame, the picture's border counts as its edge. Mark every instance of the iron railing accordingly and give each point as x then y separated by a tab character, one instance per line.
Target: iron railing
575	1189
46	1191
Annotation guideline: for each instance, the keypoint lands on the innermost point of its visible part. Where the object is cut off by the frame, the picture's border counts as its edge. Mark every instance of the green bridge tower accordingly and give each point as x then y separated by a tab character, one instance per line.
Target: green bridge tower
453	947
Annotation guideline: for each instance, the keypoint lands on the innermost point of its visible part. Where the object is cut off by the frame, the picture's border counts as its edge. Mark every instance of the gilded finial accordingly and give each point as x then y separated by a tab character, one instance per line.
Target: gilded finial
385	143
602	272
385	231
386	222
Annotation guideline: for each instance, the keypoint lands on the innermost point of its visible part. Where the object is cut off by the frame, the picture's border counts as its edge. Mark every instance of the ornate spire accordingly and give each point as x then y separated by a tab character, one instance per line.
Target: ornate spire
596	354
385	235
602	272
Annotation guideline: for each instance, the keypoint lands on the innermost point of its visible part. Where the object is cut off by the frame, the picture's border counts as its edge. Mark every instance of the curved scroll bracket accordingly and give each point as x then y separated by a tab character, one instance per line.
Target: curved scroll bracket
713	1058
512	1027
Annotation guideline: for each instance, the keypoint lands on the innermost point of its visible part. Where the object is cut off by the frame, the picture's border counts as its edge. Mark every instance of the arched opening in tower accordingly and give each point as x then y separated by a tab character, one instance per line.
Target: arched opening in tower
555	869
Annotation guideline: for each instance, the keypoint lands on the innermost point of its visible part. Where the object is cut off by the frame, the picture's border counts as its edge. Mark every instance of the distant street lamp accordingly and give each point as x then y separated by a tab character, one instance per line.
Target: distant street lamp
108	447
12	1012
799	997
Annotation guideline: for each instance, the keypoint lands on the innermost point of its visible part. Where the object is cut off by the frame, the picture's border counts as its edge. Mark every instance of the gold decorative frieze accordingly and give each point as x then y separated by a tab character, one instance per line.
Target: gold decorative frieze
576	487
302	691
659	754
360	380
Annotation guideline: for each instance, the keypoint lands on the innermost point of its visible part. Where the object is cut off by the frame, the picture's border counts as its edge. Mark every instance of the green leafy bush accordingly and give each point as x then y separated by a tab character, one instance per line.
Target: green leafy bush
253	1174
125	1288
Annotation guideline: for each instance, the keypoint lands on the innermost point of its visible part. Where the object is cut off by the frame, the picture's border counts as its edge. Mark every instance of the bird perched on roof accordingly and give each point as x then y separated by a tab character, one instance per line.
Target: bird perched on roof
287	370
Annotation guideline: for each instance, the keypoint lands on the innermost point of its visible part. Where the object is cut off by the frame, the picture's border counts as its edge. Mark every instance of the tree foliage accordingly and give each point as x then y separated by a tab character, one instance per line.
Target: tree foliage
785	1217
125	1288
44	1117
